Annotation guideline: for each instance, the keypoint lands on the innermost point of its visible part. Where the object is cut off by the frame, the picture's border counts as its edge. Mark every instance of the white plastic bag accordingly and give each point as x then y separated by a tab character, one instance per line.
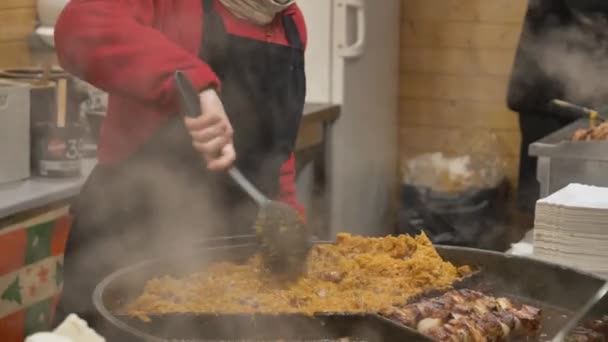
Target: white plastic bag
480	165
72	329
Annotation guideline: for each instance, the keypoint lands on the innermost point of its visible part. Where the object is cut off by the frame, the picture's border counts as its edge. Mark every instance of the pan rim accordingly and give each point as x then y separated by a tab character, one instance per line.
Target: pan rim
124	327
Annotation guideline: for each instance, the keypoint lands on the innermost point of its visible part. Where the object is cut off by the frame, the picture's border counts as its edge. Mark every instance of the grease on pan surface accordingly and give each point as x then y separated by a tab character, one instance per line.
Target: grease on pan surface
356	274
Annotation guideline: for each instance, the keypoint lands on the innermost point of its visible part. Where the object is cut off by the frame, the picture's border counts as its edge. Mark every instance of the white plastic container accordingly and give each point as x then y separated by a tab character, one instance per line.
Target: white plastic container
48	13
49	10
47	35
14	131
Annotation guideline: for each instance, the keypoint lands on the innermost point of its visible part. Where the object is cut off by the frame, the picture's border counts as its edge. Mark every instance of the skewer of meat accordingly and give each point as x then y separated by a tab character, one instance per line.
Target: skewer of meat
466	315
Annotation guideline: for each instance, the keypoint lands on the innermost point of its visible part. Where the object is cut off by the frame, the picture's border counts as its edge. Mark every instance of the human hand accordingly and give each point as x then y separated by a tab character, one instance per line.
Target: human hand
212	132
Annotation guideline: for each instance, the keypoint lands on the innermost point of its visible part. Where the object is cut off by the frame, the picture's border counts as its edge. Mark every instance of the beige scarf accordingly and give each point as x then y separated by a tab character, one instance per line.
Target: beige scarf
260	12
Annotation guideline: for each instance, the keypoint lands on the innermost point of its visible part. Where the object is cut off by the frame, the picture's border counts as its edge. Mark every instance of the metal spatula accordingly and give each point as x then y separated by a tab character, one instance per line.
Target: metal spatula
573	111
284	237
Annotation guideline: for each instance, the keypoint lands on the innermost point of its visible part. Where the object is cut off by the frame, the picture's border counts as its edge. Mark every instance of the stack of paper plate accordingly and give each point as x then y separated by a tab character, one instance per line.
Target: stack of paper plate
571	228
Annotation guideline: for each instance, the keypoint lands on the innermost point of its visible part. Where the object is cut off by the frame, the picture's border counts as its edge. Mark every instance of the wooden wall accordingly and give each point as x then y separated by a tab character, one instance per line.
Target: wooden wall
455	65
17	22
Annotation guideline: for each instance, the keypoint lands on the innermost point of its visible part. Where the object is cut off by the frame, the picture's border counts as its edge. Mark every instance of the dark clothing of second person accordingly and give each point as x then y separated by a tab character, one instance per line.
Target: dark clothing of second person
560	56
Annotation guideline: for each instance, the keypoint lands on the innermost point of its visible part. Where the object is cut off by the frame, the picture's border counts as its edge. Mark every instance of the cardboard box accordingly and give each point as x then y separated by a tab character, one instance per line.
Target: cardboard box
31	271
15	131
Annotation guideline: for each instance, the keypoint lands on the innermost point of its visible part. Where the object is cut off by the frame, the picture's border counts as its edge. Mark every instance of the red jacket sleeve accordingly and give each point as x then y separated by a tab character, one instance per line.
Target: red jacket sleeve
288	187
107	42
288	171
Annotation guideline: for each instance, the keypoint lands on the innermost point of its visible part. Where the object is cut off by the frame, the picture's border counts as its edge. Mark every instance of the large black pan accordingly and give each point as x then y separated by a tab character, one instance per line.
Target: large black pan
557	290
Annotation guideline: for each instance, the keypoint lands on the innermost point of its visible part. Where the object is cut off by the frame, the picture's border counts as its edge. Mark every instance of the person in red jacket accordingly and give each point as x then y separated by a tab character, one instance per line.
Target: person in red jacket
159	185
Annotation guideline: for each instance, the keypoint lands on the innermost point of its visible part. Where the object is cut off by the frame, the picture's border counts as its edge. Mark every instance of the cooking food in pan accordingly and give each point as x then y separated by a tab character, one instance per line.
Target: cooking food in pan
599	132
521	280
466	315
355	274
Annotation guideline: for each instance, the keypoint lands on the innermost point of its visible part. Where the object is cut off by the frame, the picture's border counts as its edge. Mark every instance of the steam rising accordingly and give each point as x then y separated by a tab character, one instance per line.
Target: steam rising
574	55
160	232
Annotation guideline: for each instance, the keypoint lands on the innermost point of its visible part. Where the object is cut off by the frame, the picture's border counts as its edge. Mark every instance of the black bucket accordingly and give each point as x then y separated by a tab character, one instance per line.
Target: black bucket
474	218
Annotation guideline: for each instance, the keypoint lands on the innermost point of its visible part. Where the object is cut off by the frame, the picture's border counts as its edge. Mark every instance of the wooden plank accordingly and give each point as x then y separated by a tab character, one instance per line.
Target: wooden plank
460	141
17	24
458	61
14	54
310	134
418	34
492	89
4	4
457	114
455	65
493	11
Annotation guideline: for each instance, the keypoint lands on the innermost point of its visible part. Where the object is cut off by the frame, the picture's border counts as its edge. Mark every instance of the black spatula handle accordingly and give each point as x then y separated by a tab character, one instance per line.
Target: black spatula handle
189	101
570	110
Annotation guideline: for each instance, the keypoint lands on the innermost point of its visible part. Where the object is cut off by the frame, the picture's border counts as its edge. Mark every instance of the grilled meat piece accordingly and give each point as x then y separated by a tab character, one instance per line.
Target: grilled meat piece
428	324
451	333
490	327
598	325
529	317
471	328
467	295
443	333
433	309
581	135
409	316
599	132
508	320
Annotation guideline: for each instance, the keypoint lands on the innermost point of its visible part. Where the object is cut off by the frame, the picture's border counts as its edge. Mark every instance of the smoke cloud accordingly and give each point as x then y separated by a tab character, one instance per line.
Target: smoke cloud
574	55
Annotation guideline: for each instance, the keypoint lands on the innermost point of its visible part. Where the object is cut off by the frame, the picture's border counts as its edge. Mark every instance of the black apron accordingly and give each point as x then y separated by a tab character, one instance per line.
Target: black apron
162	198
547	23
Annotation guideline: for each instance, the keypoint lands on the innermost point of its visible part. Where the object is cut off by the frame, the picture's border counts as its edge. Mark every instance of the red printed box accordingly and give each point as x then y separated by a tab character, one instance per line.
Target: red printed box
31	273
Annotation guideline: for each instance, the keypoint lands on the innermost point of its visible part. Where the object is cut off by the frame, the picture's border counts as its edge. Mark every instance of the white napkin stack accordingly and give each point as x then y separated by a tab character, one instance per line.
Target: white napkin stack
571	228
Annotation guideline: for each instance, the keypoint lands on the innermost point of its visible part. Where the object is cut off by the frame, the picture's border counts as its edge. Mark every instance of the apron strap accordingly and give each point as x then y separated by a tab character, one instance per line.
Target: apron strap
292	33
207	6
214	40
